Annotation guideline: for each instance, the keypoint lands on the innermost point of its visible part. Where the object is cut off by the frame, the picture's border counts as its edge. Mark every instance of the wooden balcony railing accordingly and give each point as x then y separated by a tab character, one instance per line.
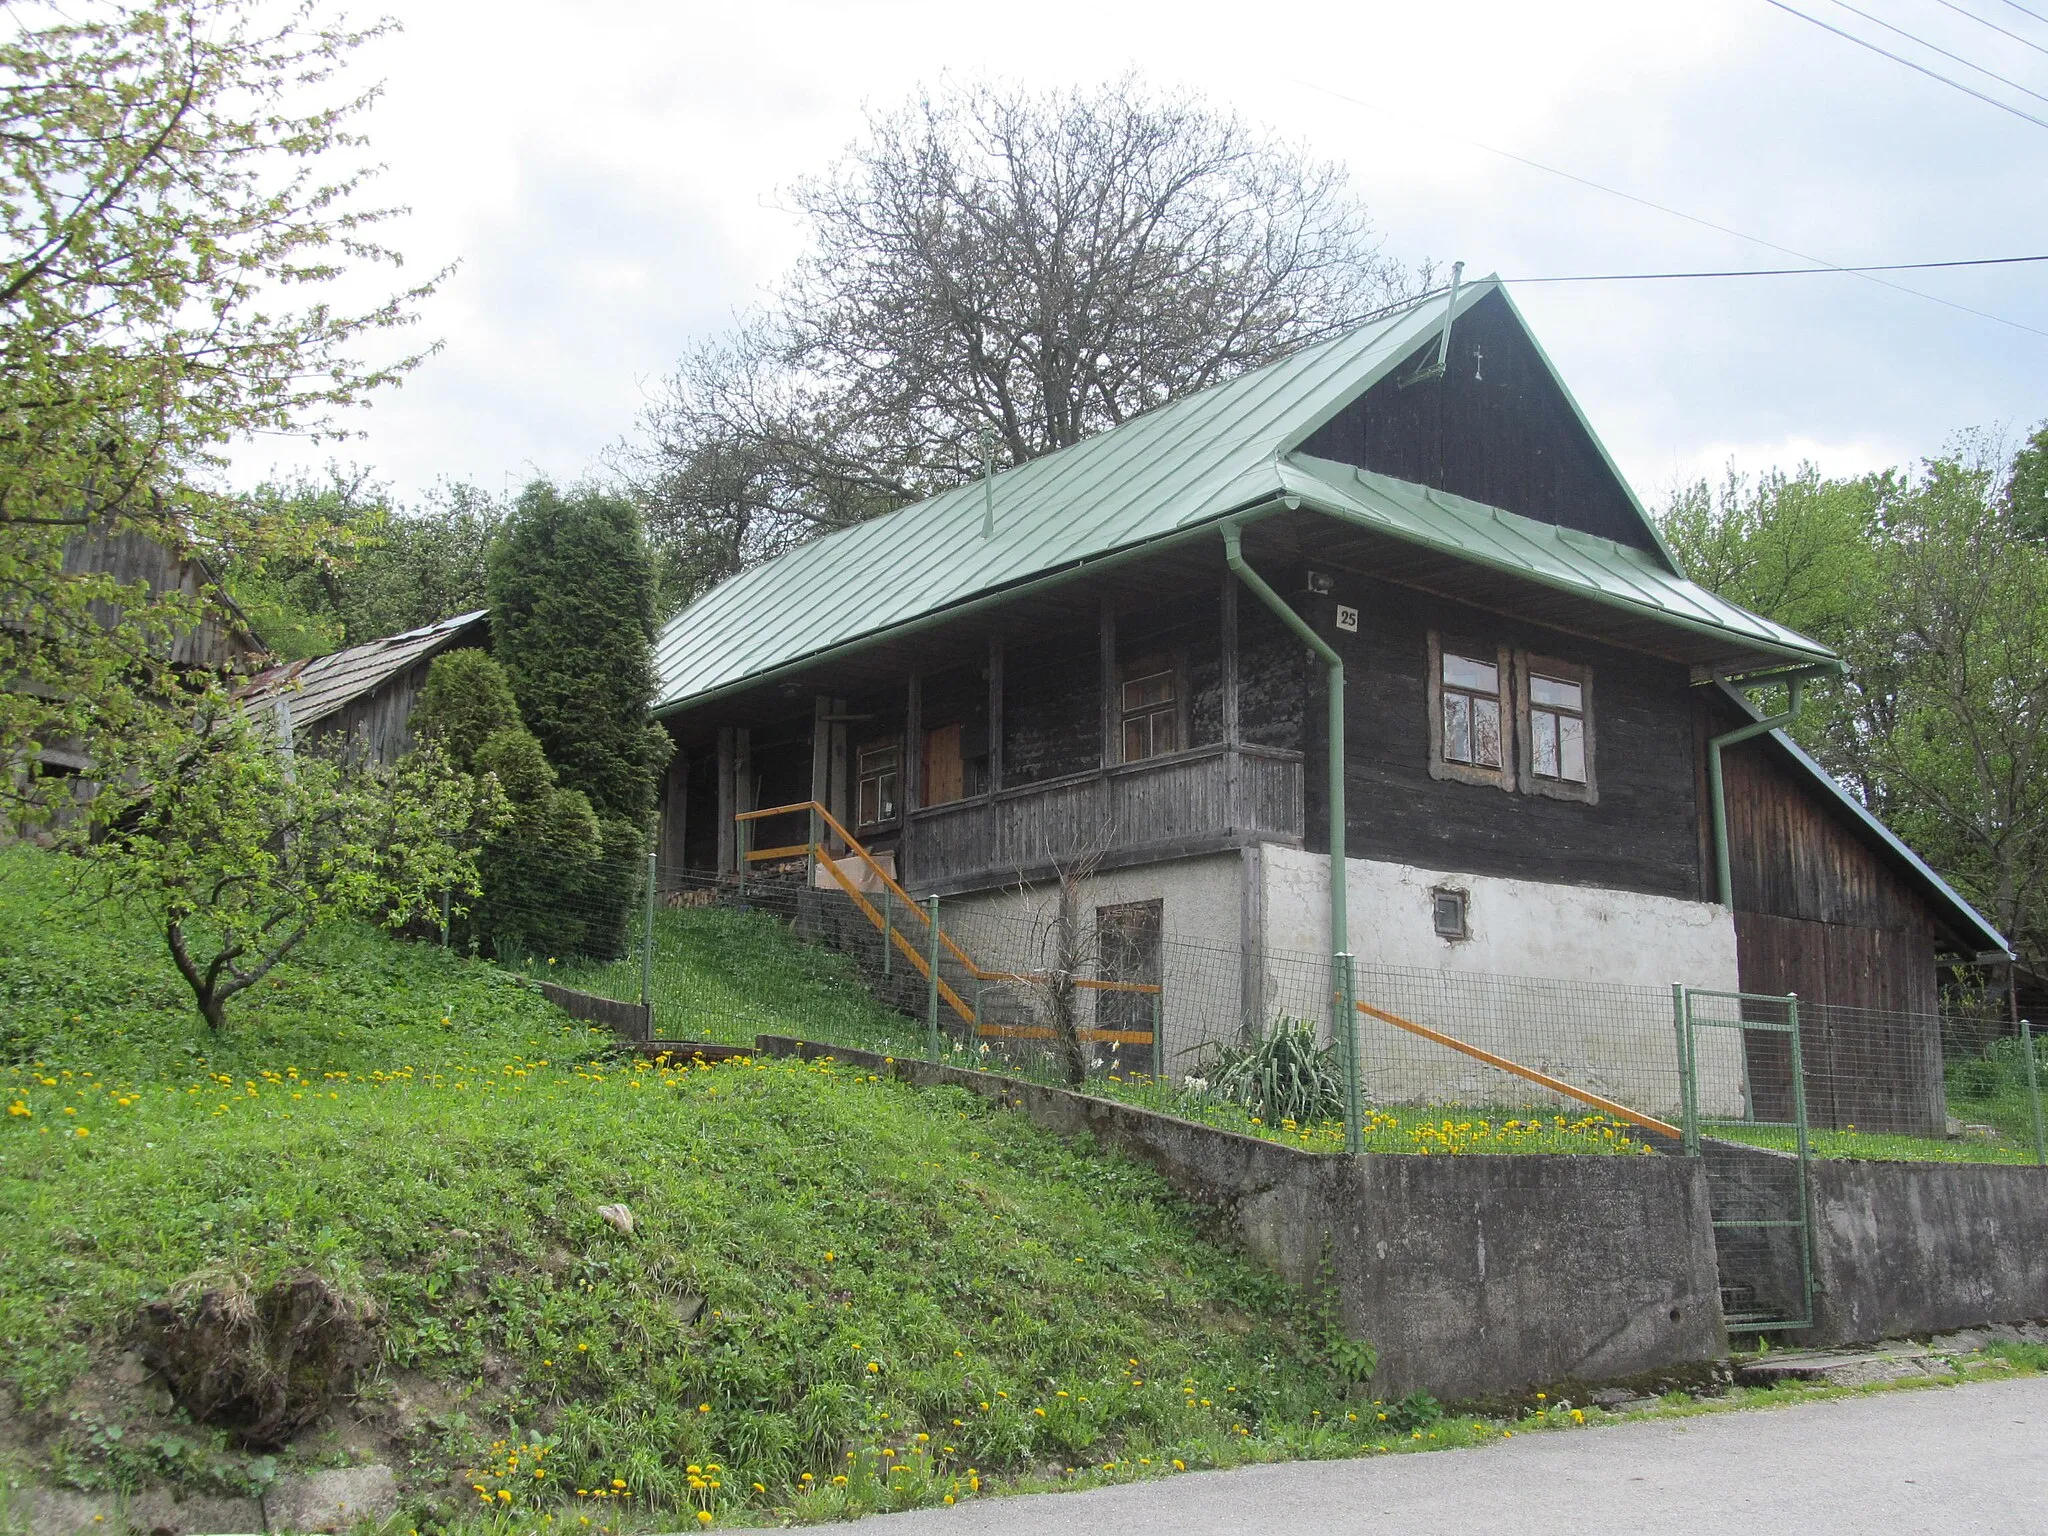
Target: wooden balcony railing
1189	802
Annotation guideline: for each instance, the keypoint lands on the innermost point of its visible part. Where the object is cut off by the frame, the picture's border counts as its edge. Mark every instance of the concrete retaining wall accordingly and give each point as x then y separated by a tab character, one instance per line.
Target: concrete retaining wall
1470	1275
1906	1248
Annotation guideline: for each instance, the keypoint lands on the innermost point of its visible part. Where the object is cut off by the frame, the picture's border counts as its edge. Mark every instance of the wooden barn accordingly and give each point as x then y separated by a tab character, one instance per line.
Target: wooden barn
1385	605
363	696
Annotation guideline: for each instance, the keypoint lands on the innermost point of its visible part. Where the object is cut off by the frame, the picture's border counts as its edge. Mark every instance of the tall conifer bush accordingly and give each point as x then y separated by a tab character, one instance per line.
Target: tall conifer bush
572	591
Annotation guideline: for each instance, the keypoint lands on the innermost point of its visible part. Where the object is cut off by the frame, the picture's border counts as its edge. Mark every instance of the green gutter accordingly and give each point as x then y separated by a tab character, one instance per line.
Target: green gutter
1340	924
1795	684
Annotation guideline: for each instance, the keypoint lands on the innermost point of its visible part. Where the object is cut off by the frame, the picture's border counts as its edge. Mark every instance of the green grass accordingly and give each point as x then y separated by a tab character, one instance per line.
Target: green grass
1868	1146
874	1265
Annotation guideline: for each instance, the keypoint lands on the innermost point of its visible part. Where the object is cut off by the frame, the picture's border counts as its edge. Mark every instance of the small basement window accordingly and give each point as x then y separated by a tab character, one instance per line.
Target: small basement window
880	769
1450	914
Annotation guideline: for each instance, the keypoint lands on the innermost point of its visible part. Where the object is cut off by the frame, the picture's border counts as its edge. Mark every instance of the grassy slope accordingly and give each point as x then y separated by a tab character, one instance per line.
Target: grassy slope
875	1264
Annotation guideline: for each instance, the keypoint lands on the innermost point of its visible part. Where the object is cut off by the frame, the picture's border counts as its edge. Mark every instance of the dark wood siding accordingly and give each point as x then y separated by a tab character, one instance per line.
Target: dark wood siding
1496	428
1052	709
1642	835
1819	912
1276	676
1189	632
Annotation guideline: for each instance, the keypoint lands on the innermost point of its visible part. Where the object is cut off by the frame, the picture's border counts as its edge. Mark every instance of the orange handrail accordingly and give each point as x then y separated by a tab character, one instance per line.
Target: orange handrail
1554	1084
853	846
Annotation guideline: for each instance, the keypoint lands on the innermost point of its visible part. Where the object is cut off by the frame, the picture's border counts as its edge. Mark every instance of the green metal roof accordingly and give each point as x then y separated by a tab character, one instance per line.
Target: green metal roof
1617	575
1193	461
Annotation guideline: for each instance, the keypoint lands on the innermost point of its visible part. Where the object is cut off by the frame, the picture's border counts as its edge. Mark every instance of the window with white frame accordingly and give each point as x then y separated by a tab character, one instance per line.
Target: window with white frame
1472	713
879	768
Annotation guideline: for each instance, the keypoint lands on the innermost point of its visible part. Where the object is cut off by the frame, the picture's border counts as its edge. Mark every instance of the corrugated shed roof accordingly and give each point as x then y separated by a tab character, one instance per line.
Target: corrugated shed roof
317	688
1188	462
1968	918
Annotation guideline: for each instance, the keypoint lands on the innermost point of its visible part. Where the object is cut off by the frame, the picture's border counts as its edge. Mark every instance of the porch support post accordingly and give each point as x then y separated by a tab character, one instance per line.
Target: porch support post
728	804
913	772
995	715
1233	766
1106	652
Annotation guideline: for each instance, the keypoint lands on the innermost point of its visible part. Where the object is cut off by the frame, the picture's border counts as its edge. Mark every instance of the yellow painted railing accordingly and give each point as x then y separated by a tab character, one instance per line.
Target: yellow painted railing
894	931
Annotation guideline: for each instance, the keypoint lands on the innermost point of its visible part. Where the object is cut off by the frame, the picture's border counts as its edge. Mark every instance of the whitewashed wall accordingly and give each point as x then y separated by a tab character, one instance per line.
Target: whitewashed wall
1578	984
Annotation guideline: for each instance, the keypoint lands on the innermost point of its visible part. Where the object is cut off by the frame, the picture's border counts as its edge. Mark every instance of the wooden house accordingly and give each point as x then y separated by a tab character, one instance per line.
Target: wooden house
363	696
1133	647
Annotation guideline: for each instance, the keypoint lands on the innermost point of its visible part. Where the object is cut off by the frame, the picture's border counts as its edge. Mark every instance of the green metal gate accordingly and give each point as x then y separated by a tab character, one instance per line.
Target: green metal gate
1743	1081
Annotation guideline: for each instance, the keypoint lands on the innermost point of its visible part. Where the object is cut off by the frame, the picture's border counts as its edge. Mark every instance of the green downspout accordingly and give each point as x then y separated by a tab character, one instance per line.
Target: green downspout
1795	684
1340	925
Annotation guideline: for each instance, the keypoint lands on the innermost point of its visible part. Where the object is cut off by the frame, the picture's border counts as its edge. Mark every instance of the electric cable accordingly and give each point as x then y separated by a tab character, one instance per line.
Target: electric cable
1769	245
1827	271
1986	21
1914	37
1864	42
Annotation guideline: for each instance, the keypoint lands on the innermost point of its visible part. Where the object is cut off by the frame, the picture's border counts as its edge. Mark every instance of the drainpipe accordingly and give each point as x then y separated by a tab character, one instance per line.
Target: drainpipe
1795	684
1340	925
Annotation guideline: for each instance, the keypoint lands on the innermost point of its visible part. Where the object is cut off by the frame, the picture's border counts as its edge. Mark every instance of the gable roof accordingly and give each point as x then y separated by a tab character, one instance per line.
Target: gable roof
315	689
1158	475
1967	918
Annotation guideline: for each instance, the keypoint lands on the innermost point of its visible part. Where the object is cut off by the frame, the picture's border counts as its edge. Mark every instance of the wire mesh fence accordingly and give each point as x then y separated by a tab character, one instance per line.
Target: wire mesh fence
1048	984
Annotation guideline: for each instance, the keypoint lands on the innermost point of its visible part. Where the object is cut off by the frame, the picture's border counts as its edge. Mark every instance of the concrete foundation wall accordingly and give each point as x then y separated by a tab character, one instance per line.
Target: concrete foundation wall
1906	1248
1471	1275
1201	906
1572	980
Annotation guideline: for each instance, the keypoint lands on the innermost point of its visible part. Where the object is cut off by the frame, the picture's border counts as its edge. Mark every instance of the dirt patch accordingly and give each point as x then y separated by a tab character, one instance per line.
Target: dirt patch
262	1364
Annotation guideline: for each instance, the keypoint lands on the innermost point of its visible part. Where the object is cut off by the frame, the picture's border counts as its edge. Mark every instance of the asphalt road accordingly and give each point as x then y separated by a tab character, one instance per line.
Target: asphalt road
1961	1459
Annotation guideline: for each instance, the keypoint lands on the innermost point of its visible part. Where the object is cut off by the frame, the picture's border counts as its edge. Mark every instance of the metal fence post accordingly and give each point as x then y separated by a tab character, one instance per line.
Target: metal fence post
931	1002
1347	994
445	904
2034	1092
647	947
1159	1028
744	836
1688	1100
888	938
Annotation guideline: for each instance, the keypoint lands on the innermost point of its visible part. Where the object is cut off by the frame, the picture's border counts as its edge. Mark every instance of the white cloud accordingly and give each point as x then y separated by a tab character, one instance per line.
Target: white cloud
607	173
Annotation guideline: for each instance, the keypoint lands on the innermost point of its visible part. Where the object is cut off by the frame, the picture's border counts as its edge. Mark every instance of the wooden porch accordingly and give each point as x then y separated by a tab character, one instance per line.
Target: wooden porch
1201	800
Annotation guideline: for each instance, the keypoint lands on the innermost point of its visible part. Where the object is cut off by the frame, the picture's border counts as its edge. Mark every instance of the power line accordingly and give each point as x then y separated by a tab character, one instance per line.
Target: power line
2025	12
1891	266
1862	42
1914	37
1644	202
1986	21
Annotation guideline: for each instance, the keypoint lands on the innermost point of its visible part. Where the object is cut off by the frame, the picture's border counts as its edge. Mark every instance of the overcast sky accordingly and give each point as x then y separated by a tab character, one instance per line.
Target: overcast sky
608	175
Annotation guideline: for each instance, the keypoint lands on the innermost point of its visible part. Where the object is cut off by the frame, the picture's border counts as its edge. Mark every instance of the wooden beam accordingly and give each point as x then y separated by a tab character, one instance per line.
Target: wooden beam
728	802
913	773
995	714
1106	647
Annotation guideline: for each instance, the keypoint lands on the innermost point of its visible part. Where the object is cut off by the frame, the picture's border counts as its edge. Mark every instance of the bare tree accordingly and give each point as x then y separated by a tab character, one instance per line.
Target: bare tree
989	261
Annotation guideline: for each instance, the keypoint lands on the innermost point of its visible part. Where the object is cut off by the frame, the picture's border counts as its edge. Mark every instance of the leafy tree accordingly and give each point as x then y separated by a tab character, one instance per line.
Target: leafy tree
168	226
1933	586
572	622
242	847
539	860
403	566
990	263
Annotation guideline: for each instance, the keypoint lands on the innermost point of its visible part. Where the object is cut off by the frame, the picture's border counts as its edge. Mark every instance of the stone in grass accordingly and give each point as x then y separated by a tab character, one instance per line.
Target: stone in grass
1620	1399
1965	1341
619	1216
333	1501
